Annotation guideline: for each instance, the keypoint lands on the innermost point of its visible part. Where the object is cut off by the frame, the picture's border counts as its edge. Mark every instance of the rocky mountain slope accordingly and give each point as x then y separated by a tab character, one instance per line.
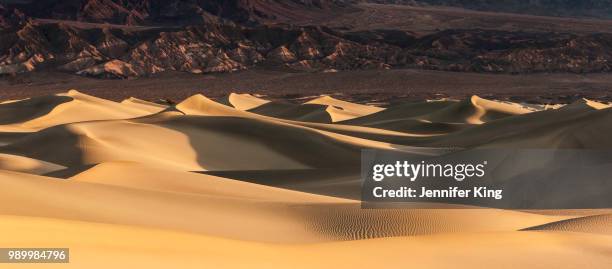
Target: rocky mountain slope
120	39
579	8
175	12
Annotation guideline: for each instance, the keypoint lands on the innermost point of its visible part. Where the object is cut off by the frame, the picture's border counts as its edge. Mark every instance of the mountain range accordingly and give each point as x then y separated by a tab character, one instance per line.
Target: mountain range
134	38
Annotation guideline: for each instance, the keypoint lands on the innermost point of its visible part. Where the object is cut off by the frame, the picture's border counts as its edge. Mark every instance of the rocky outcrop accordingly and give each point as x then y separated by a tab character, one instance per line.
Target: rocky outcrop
228	47
514	52
111	69
173	12
215	44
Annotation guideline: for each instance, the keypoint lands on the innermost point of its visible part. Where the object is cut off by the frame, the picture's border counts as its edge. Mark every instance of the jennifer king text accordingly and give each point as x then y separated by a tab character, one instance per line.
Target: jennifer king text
451	192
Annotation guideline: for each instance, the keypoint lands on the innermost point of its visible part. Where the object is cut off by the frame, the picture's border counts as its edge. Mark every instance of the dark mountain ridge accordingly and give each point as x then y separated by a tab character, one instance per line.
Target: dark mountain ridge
130	38
174	12
560	8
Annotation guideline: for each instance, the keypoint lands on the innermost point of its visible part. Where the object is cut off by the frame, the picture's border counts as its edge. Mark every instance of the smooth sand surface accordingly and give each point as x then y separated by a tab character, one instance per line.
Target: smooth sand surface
244	182
43	112
143	105
245	101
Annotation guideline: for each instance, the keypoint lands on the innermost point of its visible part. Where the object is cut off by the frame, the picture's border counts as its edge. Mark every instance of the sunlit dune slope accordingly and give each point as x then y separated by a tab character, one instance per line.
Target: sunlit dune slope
47	111
143	105
341	110
597	224
195	136
475	110
324	109
217	205
244	101
27	165
191	143
243	182
582	124
94	245
440	117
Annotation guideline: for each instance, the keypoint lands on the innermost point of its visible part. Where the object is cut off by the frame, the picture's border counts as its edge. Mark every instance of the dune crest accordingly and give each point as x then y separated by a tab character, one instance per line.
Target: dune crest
245	101
143	105
341	110
596	224
476	110
203	106
586	104
72	106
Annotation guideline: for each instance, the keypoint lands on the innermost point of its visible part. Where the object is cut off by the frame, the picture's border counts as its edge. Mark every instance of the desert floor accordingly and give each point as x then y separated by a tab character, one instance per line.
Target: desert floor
243	182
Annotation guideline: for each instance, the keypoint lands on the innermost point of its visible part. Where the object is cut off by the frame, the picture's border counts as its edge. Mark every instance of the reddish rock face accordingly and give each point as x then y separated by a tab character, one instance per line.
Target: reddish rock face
119	39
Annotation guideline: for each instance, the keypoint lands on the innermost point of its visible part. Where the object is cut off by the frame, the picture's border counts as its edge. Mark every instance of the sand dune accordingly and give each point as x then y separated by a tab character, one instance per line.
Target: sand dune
577	125
216	206
143	177
439	117
247	182
341	110
43	112
402	111
195	142
217	209
288	111
597	224
589	103
475	110
138	245
20	111
324	109
143	105
27	165
245	101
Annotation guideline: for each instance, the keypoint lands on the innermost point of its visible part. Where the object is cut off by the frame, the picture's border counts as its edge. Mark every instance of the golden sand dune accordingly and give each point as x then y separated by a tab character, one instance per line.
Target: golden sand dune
288	111
27	165
577	125
475	110
217	209
217	205
199	105
198	141
598	224
245	101
143	105
324	109
403	118
590	103
21	111
350	222
401	112
95	245
191	143
143	177
341	110
439	117
249	183
73	106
